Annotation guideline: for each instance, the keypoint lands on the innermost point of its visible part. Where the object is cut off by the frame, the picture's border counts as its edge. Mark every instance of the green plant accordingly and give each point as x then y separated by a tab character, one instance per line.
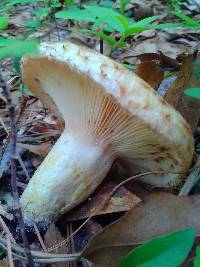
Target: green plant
195	92
40	14
197	258
16	48
69	2
4	21
167	251
123	4
105	21
176	5
191	23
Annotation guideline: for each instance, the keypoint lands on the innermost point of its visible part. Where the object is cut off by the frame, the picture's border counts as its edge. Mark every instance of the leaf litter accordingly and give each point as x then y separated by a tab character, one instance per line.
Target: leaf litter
157	214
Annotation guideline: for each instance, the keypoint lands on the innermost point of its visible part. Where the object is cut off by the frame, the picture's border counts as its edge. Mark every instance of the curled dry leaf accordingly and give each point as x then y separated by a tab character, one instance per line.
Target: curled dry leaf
53	237
159	214
187	106
122	200
150	72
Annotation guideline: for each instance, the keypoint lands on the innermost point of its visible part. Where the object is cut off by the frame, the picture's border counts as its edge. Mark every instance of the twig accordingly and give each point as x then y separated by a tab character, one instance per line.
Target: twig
5	228
10	258
101	46
23	167
191	180
106	202
41	257
4	126
39	237
13	137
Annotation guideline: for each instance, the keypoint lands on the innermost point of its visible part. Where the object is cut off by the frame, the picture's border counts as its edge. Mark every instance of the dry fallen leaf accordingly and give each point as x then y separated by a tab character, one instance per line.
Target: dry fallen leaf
187	106
150	72
41	149
4	262
159	214
122	200
52	238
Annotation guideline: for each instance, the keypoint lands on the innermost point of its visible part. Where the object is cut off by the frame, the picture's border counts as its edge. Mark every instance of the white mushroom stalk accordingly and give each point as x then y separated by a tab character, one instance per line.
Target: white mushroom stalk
109	113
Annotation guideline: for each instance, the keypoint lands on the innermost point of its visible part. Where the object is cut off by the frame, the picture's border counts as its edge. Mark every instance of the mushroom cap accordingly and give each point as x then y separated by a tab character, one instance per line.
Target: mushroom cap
101	101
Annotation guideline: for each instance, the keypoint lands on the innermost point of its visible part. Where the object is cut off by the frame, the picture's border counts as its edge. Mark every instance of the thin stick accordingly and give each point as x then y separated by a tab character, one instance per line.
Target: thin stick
5	228
13	137
23	167
192	179
10	258
4	126
106	202
39	237
101	46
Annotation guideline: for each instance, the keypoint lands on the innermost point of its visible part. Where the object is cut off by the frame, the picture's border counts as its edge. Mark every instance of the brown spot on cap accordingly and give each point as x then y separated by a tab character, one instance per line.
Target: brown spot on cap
147	106
122	90
102	70
167	117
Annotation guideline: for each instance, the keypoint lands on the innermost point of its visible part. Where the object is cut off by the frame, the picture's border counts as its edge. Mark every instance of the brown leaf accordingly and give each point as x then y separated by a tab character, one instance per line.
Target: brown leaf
122	200
52	238
187	106
41	149
159	214
4	262
150	72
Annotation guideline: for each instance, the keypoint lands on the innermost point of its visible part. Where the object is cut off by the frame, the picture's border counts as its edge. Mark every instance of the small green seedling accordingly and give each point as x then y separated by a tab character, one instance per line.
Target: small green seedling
17	48
4	21
104	21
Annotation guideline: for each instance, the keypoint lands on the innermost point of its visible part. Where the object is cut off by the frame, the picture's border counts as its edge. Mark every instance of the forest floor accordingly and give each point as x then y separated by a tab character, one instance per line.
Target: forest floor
168	60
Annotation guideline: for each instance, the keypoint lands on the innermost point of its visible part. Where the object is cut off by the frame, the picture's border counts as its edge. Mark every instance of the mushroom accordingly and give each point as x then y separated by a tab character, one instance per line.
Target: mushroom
109	113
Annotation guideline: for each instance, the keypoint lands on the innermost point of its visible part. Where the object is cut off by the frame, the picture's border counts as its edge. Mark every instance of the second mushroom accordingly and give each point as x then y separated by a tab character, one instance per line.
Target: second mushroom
109	113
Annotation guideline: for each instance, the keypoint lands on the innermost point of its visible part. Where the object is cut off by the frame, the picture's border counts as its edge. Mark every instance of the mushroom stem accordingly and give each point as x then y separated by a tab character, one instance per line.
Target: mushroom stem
68	175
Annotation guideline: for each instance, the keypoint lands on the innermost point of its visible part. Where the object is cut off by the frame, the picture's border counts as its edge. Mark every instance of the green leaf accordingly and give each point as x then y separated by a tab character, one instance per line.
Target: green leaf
5	42
56	5
123	20
187	19
133	30
43	13
112	24
14	2
123	4
69	2
33	24
193	92
4	21
169	25
98	11
17	48
166	251
102	36
196	68
76	14
144	22
197	258
107	3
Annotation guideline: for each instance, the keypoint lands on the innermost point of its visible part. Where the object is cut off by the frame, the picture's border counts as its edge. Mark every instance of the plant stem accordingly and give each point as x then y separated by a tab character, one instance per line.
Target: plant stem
13	140
101	46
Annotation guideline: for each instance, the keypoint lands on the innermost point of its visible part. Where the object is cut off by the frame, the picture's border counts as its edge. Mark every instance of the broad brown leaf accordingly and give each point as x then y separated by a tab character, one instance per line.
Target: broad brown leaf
122	200
159	214
187	106
150	72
